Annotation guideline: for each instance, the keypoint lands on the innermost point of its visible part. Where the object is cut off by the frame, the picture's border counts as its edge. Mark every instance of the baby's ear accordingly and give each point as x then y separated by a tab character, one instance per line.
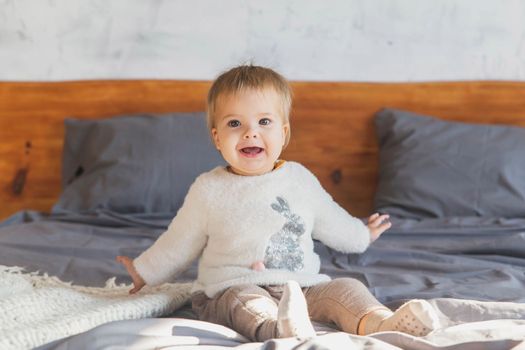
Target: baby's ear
286	130
215	136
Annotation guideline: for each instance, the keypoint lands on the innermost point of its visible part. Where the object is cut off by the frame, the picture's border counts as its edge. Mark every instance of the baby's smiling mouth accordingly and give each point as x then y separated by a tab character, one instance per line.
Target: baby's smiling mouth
251	151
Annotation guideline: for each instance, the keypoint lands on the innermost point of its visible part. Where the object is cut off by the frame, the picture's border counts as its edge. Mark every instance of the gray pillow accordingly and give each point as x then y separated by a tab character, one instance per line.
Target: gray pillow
134	164
434	168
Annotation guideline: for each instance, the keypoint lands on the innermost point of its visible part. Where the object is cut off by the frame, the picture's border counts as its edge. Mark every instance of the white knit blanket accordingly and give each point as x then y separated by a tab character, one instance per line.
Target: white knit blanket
37	309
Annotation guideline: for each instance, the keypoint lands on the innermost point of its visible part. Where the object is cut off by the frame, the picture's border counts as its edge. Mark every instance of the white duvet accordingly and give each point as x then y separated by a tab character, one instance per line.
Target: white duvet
37	309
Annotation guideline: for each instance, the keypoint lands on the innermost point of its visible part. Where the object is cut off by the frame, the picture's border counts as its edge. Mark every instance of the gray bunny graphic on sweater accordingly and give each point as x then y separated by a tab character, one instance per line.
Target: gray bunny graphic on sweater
284	251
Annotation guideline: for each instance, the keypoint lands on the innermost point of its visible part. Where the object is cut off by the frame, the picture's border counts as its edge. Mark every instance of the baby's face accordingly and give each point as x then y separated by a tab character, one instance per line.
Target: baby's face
250	131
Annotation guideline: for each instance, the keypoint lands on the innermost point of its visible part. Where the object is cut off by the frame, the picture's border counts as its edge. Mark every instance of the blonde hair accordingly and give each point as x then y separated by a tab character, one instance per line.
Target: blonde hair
248	77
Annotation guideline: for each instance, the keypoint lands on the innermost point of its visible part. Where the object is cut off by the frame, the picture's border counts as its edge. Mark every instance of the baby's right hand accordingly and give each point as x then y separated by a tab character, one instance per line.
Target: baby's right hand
138	282
377	224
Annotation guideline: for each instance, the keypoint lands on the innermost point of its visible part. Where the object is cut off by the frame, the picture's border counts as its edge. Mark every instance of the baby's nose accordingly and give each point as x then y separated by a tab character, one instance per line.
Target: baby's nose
250	135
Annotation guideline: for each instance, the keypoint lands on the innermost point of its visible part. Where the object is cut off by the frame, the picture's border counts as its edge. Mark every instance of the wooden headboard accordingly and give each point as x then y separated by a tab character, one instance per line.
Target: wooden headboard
332	126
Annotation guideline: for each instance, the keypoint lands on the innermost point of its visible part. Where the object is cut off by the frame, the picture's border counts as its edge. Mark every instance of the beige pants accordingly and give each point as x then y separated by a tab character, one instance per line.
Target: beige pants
252	310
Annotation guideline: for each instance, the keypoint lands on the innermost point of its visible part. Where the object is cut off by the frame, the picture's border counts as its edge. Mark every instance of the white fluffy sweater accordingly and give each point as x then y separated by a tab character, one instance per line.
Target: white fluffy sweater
232	221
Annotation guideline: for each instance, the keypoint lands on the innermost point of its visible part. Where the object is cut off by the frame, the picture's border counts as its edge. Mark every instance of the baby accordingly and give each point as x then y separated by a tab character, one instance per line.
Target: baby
252	225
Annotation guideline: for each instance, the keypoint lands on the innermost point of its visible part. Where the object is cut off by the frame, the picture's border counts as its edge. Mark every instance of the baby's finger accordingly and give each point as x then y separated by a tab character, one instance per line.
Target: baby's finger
122	260
379	220
385	225
373	217
383	219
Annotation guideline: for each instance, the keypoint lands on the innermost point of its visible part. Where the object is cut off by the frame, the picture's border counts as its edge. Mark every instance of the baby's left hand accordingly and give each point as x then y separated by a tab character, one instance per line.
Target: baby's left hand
377	224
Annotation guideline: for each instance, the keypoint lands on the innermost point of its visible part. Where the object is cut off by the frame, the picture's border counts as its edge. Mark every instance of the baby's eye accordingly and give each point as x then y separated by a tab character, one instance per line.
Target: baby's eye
265	121
234	123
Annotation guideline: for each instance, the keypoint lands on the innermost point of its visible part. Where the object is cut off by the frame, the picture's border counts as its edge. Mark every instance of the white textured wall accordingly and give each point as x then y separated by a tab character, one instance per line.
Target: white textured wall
356	40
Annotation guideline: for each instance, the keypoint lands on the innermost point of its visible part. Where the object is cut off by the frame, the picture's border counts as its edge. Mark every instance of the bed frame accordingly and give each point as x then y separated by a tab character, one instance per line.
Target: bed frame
332	126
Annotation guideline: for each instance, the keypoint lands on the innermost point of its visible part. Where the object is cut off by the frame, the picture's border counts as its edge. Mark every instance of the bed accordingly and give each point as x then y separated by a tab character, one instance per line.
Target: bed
94	169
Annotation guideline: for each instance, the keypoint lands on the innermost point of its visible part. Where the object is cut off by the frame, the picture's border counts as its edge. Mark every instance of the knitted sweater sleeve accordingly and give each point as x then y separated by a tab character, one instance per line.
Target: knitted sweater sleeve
179	245
333	225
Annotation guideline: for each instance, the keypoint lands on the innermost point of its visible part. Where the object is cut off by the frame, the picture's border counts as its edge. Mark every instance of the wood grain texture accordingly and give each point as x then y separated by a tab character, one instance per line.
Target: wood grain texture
332	126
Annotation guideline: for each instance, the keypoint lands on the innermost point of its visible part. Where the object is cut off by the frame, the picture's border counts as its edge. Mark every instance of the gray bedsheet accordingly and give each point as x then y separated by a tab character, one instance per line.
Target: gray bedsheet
463	265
